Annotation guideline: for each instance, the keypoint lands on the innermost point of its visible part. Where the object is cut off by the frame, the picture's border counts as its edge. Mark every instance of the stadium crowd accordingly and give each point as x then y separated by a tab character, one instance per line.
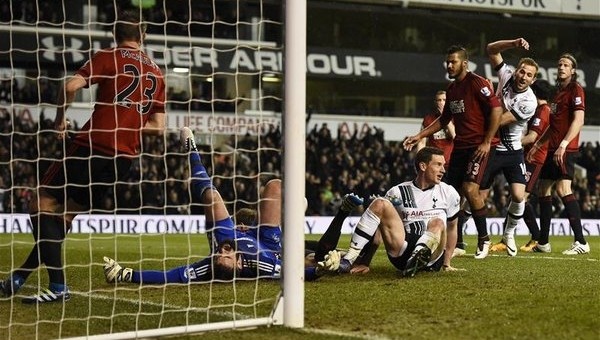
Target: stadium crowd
222	19
365	165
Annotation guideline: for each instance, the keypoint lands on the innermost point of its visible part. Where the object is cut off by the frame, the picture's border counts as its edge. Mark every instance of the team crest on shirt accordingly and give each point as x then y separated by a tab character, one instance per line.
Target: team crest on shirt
485	91
526	109
434	202
578	101
457	106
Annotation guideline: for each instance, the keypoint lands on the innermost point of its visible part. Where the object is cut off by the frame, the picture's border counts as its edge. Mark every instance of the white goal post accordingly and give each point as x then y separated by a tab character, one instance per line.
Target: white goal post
294	164
122	308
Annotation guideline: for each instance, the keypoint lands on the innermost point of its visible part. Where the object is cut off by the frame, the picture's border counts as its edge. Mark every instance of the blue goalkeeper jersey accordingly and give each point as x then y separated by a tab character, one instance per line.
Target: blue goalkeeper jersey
258	260
259	247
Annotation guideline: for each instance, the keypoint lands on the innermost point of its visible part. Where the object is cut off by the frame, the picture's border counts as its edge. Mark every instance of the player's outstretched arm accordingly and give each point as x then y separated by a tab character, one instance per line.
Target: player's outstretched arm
495	48
412	141
115	273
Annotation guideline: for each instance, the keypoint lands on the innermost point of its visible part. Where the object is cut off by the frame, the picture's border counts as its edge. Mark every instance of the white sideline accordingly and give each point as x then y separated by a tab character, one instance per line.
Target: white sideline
94	295
343	334
226	314
237	316
244	321
574	258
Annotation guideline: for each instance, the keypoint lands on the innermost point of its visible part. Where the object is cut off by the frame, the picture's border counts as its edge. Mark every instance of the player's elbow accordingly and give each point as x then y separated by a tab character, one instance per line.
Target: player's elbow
154	131
155	125
74	84
489	49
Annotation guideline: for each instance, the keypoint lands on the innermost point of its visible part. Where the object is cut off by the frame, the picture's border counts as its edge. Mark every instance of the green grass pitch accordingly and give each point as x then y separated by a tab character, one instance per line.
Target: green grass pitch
535	296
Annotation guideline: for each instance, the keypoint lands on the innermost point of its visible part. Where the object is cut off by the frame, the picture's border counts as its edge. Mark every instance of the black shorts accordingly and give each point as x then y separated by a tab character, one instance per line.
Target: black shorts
532	175
462	168
88	175
400	262
509	163
551	171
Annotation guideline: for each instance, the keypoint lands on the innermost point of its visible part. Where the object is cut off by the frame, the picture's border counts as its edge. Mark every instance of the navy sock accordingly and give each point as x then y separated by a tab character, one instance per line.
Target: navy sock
529	219
33	260
52	234
463	217
574	215
57	287
479	217
545	218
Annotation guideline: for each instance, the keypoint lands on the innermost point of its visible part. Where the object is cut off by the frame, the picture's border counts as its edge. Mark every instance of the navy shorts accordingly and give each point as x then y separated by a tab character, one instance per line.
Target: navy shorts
84	175
551	171
400	262
509	163
463	168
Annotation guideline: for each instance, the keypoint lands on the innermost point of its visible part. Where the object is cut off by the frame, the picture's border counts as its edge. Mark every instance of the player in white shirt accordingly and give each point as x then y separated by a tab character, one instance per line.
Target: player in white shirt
417	220
519	103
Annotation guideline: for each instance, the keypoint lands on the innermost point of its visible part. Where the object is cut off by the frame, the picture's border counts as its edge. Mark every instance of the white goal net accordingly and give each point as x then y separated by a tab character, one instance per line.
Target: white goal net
223	65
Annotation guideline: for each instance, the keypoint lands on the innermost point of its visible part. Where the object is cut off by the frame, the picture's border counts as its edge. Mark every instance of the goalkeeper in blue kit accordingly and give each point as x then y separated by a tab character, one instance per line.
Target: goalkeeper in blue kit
236	251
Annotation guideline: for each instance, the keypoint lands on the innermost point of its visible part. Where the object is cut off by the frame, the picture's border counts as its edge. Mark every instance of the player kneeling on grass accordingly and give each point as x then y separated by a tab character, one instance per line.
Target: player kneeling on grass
417	221
247	250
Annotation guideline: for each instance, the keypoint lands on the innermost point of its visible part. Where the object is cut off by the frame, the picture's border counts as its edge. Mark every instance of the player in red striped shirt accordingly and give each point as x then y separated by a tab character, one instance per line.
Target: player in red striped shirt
130	102
566	119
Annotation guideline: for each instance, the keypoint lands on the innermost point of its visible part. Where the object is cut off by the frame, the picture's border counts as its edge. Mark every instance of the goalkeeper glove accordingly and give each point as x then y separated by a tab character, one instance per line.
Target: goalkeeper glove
331	262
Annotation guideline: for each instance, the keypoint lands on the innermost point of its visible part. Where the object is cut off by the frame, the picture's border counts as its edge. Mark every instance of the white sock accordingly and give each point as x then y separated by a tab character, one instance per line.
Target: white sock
430	240
515	213
365	229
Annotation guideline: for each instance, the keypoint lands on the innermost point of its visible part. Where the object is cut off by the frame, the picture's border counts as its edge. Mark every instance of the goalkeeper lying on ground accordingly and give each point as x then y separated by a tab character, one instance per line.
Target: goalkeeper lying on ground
238	251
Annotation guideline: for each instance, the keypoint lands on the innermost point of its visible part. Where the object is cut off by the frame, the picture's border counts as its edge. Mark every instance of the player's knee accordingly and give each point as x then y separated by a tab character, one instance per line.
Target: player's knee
33	206
379	205
517	198
43	202
272	188
563	188
436	225
471	191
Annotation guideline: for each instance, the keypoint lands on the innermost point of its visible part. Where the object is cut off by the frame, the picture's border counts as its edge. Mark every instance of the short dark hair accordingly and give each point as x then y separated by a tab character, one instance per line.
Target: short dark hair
461	51
220	272
425	154
530	62
246	216
129	25
542	89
